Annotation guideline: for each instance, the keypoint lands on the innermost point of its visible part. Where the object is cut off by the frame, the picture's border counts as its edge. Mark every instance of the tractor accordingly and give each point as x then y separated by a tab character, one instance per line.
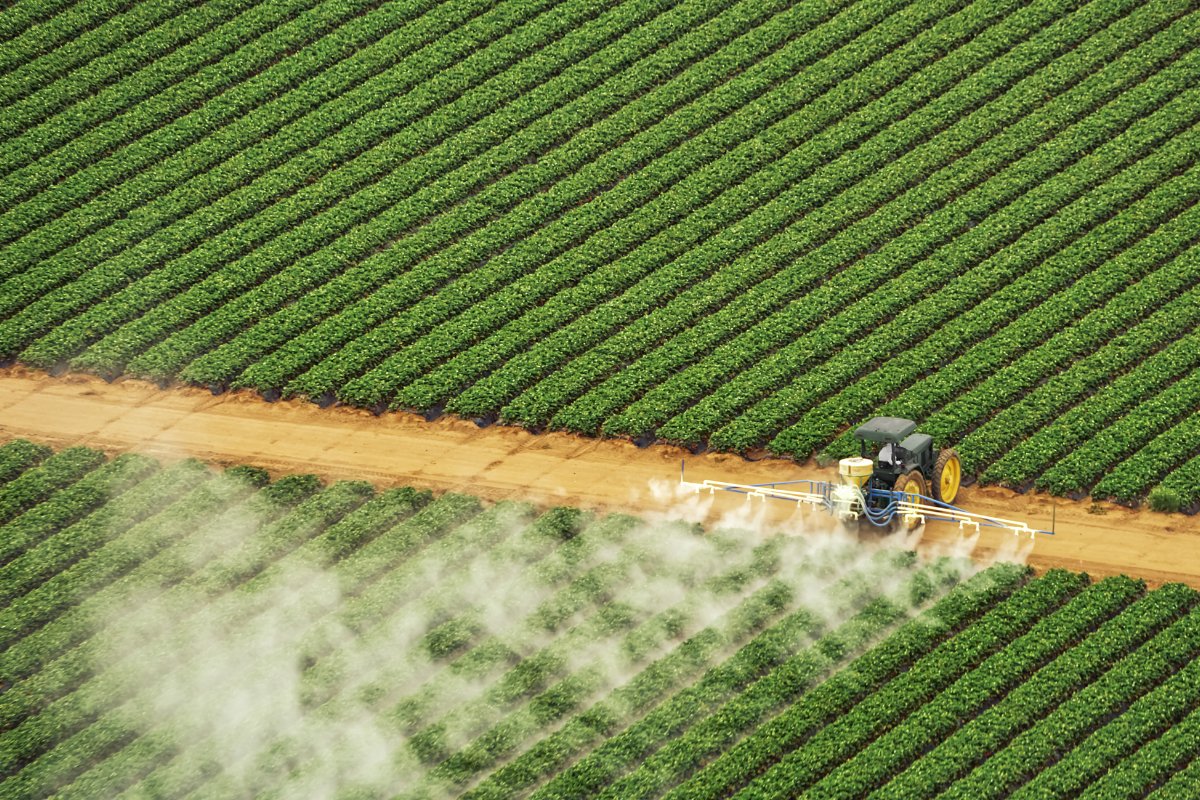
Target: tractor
903	483
905	461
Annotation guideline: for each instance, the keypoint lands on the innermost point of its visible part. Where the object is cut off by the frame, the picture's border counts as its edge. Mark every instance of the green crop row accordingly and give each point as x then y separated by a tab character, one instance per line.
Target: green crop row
911	697
42	481
1148	692
980	600
563	379
73	714
651	686
1025	409
980	742
720	187
554	702
379	201
34	27
610	109
1155	761
811	270
40	549
137	241
1133	477
522	323
72	140
1087	463
1183	484
694	134
1127	129
533	213
351	122
1007	285
890	755
63	75
754	665
197	175
627	111
19	455
1060	683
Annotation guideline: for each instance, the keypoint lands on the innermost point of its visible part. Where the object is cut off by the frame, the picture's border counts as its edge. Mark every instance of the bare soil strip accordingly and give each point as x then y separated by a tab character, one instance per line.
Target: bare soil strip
555	468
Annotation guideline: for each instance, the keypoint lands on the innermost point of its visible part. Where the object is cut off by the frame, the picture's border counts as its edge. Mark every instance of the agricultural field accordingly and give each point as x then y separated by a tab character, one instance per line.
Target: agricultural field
745	226
173	631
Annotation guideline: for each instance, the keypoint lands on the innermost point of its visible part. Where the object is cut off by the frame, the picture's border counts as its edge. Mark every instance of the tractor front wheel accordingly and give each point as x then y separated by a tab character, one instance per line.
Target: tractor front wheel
947	476
912	483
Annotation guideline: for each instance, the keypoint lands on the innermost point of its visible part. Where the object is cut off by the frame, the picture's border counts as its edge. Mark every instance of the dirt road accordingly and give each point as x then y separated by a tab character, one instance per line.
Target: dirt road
500	462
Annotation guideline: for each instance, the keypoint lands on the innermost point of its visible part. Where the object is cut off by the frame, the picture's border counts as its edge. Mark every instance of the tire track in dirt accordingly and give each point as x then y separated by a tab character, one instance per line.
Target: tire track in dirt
555	468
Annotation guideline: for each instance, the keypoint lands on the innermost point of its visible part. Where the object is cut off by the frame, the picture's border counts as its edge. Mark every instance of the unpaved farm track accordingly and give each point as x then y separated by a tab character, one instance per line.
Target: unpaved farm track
502	462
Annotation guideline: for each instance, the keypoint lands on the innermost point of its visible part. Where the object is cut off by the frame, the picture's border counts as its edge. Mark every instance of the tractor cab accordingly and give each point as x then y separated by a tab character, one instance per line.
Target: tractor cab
904	461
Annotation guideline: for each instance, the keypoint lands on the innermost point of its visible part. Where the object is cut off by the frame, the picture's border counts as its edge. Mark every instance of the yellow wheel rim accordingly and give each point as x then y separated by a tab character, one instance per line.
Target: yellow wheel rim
912	490
951	475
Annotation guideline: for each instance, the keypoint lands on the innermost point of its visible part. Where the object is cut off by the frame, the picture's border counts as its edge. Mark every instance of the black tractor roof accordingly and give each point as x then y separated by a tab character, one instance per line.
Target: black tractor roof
885	430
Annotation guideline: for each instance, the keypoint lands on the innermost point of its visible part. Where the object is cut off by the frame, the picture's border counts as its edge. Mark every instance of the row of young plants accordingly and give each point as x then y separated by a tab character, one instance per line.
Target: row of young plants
71	504
681	141
537	213
617	241
986	599
448	517
77	136
58	221
1041	404
950	763
501	725
603	402
169	216
968	307
564	363
370	614
655	261
527	154
387	517
973	694
43	550
669	98
690	708
1151	691
1077	383
73	712
66	72
1171	410
39	481
624	328
627	96
741	714
54	659
382	203
1059	681
1025	460
1160	426
819	766
1155	761
19	455
1180	489
1126	130
23	15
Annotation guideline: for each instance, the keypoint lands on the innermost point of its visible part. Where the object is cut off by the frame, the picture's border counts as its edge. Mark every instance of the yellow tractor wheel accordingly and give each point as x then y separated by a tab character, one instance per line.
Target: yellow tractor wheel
911	483
947	476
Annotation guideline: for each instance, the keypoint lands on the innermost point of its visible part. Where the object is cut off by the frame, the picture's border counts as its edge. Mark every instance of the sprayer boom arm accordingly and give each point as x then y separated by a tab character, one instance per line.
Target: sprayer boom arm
877	506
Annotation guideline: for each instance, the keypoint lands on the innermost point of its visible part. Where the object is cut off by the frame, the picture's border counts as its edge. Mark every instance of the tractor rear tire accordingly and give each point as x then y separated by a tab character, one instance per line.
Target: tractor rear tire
910	483
947	476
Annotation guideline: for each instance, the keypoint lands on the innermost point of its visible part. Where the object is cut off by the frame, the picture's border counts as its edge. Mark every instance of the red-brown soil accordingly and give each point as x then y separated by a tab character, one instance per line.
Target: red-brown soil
554	468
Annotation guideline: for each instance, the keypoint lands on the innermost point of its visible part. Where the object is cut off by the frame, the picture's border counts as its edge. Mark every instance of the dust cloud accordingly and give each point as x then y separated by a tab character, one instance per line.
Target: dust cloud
326	681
